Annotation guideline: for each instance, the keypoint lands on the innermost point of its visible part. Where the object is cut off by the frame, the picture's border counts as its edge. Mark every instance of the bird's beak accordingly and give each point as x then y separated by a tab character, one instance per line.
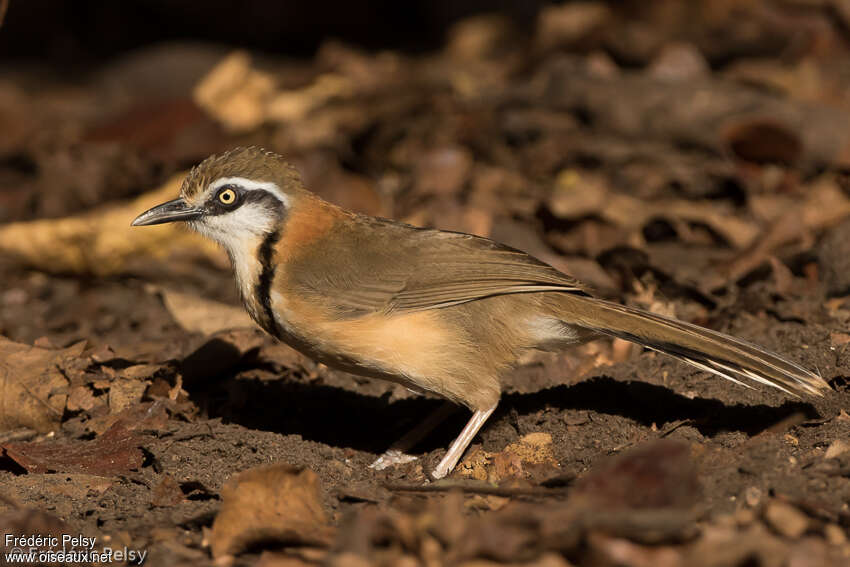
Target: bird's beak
176	210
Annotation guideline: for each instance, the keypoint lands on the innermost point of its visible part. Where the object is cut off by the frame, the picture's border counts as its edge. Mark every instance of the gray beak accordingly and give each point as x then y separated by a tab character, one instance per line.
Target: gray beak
176	210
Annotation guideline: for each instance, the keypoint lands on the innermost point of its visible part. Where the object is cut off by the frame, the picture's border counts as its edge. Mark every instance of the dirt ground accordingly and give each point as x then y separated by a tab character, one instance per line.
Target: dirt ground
691	161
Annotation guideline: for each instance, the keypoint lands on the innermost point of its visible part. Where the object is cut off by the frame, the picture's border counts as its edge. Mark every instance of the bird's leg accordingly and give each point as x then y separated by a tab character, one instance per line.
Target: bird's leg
460	444
397	453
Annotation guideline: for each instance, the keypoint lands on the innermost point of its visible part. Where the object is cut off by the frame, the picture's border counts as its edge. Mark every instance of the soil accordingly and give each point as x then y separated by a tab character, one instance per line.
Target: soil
746	466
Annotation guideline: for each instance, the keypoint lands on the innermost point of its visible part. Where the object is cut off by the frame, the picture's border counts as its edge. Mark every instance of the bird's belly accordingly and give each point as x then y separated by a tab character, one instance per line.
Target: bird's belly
418	350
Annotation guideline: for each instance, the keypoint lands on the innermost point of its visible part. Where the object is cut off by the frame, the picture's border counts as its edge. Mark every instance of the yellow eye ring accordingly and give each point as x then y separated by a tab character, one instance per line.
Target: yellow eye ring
227	197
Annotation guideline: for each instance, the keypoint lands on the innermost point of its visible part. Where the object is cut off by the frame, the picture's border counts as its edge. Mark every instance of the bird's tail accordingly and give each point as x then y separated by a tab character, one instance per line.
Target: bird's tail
714	352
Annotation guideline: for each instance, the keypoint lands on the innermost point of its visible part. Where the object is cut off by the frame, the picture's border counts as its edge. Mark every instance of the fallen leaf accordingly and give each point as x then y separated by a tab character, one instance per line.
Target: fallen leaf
150	416
736	546
579	194
32	386
125	393
115	452
836	449
443	171
786	519
271	559
293	105
234	93
198	315
834	534
838	339
167	493
659	474
618	551
763	140
568	24
81	398
531	457
102	242
278	503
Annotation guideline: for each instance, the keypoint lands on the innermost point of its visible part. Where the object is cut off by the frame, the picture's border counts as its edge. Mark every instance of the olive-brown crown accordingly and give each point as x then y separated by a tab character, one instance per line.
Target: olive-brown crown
252	162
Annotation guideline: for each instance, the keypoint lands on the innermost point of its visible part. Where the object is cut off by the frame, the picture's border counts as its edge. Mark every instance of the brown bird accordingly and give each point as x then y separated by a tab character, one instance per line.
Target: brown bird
440	312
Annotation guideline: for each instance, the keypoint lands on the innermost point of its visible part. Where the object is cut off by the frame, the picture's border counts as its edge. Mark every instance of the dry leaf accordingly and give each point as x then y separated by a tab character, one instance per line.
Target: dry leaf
289	106
124	393
167	493
529	457
115	452
786	519
102	242
32	386
278	503
836	449
657	474
579	194
144	416
235	94
205	316
839	339
81	398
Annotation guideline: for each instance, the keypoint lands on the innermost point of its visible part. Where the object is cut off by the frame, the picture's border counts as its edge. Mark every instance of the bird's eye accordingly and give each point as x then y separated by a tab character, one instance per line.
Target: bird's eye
227	196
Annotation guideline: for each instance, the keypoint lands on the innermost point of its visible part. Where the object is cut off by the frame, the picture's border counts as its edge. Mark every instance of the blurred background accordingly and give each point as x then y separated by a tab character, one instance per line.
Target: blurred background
691	157
620	135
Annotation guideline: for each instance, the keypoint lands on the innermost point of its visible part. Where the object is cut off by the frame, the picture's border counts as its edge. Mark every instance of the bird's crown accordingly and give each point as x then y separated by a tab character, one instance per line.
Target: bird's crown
252	163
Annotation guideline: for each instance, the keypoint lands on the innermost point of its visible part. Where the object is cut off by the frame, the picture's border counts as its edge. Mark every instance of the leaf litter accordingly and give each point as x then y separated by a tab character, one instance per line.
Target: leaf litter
714	190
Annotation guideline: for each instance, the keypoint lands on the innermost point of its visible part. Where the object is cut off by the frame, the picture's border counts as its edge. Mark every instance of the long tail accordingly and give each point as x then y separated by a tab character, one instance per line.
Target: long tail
708	350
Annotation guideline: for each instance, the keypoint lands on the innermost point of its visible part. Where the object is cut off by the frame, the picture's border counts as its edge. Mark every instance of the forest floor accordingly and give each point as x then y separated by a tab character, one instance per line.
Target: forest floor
685	176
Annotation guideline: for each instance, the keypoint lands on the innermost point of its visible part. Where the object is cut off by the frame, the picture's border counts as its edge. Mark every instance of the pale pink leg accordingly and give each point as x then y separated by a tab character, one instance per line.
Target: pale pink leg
460	444
397	453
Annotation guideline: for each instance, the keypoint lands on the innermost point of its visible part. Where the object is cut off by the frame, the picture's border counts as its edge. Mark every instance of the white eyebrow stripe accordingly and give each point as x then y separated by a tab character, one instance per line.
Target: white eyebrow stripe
251	185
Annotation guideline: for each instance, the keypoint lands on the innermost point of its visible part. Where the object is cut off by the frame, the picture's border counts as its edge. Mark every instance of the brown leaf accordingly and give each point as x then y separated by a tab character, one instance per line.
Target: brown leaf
760	140
125	393
235	94
81	398
271	503
198	315
617	551
145	416
102	241
838	339
32	385
580	194
115	452
167	493
531	457
659	474
786	519
836	449
443	171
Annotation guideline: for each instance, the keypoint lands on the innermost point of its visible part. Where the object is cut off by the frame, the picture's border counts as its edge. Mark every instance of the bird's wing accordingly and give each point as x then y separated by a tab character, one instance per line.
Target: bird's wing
399	268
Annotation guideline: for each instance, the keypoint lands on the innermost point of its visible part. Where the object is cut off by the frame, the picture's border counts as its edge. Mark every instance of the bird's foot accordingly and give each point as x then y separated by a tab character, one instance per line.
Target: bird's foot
391	458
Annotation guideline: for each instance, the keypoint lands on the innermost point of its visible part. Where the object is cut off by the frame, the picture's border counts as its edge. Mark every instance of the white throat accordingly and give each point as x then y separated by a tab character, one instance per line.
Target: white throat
241	233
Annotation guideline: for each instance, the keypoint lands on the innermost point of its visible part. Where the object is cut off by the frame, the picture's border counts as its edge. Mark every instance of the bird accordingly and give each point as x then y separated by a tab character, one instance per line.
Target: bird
440	312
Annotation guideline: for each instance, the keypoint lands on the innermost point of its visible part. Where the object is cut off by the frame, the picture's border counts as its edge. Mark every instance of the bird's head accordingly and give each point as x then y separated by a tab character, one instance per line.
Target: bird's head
233	198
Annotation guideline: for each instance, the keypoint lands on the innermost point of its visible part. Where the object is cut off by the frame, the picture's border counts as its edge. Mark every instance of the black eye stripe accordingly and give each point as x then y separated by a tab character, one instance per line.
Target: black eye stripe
215	206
